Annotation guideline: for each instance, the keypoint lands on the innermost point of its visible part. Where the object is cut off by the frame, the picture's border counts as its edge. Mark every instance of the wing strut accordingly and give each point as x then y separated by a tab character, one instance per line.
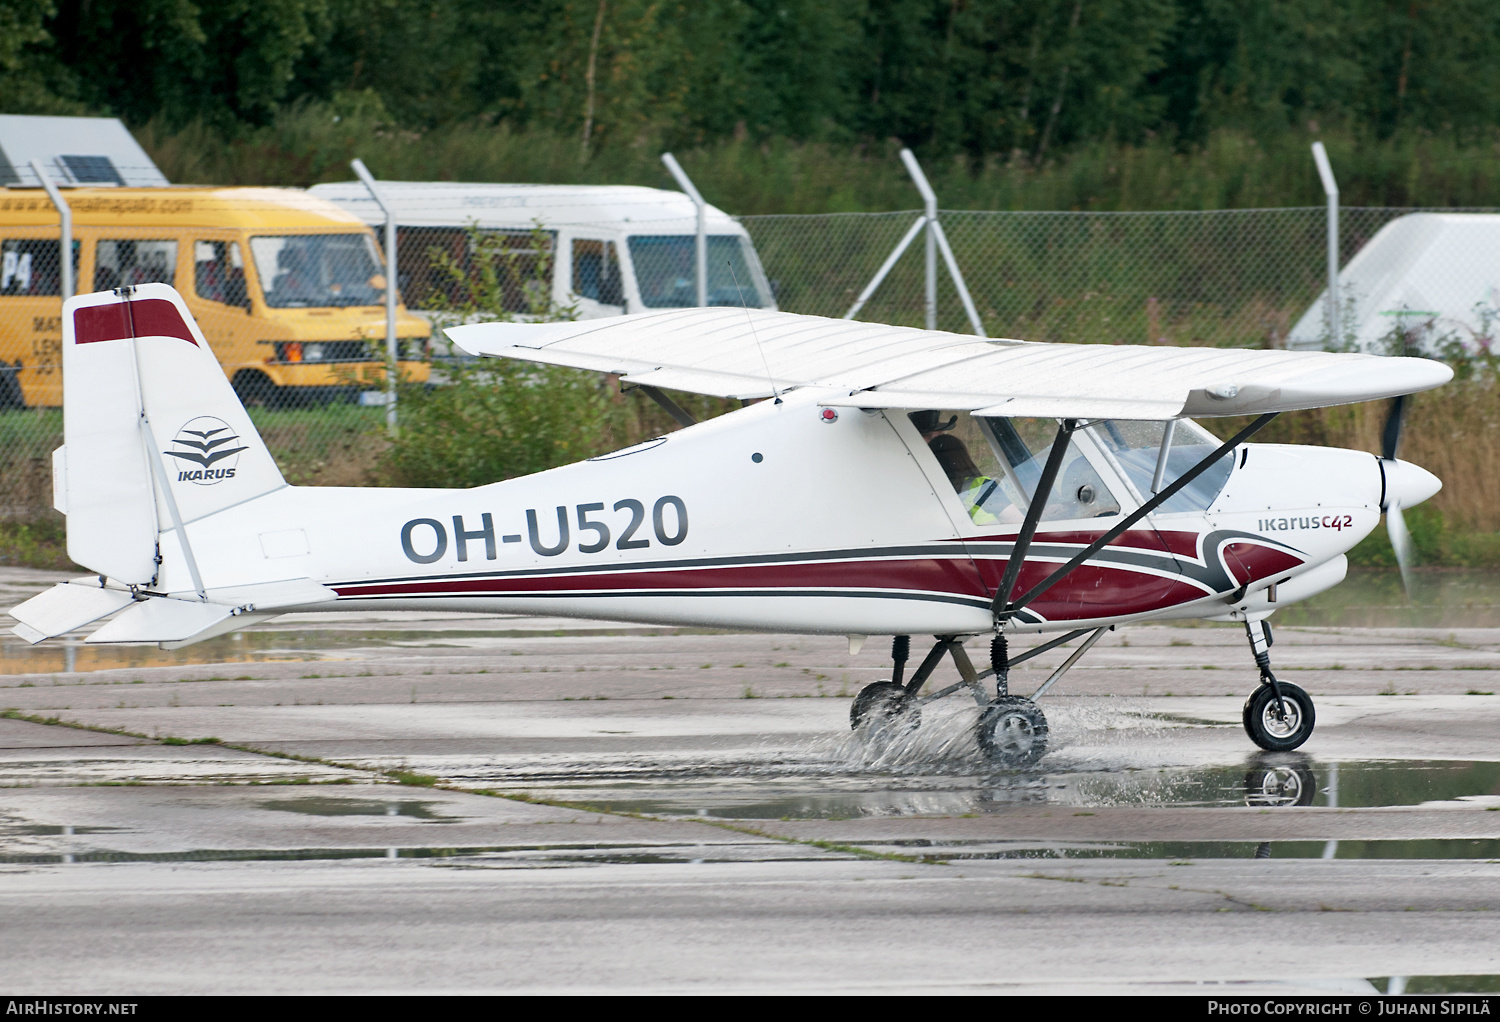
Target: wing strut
672	408
1002	606
1004	612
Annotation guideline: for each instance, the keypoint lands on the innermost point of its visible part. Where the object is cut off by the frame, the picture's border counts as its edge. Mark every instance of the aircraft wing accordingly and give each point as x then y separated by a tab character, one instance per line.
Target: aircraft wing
731	352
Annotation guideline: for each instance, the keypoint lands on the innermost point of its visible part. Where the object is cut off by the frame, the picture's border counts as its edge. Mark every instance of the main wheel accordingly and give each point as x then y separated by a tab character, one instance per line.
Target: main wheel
1013	730
1270	730
10	386
1280	784
880	703
254	388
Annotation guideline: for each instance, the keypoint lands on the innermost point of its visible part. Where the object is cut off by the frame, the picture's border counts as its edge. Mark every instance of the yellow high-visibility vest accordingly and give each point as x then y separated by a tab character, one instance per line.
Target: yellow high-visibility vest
980	489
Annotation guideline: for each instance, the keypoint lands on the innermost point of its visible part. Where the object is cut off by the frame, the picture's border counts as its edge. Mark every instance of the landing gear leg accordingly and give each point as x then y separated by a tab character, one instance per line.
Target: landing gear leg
1278	716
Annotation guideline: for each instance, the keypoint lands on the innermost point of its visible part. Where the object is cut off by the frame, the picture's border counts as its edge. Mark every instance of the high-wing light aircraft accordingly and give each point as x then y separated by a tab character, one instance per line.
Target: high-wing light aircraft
893	481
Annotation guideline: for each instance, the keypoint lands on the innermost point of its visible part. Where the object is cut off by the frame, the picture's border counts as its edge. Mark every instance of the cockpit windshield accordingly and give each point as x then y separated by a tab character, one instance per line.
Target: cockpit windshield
1136	445
666	275
300	271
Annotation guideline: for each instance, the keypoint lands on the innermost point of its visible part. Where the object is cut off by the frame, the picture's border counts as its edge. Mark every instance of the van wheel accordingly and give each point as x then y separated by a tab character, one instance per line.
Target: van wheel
255	389
11	395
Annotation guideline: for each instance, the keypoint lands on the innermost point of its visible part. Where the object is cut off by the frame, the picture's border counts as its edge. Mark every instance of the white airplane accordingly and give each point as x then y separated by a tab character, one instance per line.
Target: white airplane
897	482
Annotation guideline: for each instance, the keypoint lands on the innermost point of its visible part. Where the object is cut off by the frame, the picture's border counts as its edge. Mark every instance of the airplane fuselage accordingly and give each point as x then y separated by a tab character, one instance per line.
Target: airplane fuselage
775	518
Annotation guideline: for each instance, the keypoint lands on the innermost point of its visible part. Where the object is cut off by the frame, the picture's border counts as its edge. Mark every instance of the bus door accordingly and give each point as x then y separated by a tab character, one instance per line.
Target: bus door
31	319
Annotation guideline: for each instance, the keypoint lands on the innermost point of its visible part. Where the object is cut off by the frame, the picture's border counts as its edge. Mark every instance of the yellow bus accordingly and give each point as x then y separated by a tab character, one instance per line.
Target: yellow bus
288	288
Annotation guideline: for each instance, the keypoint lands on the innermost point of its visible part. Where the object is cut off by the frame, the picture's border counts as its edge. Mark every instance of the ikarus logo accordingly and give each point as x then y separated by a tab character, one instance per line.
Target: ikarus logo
209	450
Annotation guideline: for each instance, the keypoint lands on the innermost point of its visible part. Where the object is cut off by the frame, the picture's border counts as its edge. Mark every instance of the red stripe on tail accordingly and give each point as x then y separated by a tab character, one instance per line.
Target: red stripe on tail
154	317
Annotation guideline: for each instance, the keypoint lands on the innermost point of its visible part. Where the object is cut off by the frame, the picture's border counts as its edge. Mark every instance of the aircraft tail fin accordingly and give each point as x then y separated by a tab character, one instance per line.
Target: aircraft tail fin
154	436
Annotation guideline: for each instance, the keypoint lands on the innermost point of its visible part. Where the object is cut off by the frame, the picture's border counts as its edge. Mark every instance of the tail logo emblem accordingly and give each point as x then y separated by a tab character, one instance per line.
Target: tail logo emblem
209	450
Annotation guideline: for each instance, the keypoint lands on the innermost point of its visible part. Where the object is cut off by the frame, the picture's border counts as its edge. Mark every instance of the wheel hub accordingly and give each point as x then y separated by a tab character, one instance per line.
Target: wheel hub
1282	726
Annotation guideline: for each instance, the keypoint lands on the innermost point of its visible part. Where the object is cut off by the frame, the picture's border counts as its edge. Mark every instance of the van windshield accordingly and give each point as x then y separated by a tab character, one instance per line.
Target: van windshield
299	271
665	273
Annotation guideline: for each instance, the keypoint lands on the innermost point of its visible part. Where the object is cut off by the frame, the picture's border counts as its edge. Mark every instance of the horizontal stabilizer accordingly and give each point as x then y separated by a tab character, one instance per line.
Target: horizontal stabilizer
64	607
293	592
161	619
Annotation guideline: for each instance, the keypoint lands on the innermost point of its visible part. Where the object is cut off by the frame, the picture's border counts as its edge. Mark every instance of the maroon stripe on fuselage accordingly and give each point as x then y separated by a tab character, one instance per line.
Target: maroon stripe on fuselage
1091	591
1251	562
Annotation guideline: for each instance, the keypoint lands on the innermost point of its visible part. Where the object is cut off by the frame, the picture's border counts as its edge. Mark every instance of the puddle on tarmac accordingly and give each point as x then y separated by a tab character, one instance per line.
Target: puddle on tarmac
1489	984
1177	853
498	855
1185	853
1263	781
316	805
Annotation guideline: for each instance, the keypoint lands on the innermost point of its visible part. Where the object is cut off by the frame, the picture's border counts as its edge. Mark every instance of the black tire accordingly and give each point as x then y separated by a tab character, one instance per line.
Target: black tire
1272	734
881	703
11	396
255	389
1013	731
1272	784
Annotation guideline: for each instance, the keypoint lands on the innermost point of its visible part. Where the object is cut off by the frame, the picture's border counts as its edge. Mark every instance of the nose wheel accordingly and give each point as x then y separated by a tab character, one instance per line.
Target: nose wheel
1278	717
1279	728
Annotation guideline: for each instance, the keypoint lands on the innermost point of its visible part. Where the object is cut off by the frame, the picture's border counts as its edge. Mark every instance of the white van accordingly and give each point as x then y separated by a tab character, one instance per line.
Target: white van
617	248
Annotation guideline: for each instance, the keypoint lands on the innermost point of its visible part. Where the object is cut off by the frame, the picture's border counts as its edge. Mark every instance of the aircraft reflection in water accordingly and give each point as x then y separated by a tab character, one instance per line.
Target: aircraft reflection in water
897	482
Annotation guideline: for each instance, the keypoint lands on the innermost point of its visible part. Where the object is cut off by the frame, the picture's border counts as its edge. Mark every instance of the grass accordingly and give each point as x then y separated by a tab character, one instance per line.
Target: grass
1231	169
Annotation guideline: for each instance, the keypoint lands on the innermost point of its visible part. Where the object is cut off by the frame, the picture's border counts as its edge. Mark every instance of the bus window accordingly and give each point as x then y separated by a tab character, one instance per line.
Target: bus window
219	272
300	271
28	266
125	263
596	272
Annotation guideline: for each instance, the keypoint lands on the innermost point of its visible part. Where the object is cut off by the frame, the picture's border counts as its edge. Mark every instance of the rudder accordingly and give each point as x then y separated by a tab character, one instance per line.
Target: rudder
154	436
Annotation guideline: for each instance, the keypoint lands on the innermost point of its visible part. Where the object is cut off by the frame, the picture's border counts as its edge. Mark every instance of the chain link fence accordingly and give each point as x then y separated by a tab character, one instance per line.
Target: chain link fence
1221	278
1225	278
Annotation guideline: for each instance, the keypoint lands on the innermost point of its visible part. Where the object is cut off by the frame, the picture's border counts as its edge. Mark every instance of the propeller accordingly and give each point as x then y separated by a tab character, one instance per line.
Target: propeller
1395	521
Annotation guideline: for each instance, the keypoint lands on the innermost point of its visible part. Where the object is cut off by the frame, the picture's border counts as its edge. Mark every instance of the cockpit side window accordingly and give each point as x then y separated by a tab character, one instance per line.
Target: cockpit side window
994	466
1136	445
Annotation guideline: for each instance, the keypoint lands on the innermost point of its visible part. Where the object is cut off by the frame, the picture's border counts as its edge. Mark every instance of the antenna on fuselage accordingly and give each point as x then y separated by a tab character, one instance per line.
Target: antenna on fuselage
751	320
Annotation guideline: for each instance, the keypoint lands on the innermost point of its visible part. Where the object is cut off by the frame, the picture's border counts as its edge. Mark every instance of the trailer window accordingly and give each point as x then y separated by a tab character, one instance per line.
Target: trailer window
127	262
301	271
596	272
665	271
29	266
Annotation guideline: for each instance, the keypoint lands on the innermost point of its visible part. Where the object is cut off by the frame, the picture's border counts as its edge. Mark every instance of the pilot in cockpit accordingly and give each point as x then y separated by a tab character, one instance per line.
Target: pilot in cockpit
982	495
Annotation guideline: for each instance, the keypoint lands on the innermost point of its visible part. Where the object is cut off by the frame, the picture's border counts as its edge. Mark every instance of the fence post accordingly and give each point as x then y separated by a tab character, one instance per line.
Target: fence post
929	205
700	247
1331	190
392	345
65	240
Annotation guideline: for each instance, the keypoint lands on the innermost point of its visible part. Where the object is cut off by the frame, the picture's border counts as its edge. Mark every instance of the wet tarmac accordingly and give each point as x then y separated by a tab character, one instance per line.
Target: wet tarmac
408	802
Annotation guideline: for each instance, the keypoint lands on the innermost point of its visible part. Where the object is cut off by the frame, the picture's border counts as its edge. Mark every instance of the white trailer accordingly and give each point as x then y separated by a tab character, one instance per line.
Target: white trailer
1434	275
614	249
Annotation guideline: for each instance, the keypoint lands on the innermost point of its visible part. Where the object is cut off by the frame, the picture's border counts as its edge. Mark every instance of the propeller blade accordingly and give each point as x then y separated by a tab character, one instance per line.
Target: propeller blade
1395	524
1390	433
